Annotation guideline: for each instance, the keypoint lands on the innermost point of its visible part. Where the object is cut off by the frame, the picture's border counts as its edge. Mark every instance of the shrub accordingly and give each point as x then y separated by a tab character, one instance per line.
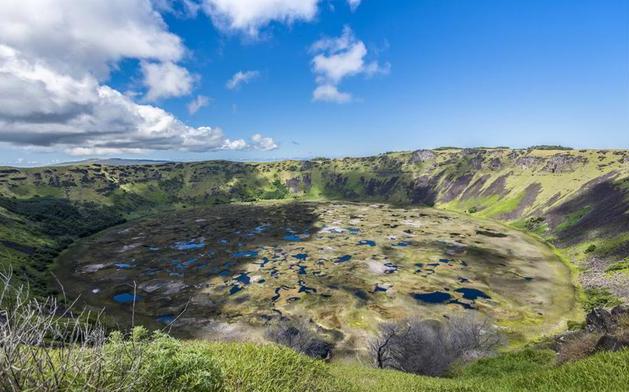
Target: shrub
431	347
590	248
598	297
158	362
46	347
619	266
578	347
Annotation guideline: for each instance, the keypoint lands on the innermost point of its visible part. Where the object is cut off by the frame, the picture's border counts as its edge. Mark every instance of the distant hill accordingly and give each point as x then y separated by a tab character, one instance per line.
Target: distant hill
112	162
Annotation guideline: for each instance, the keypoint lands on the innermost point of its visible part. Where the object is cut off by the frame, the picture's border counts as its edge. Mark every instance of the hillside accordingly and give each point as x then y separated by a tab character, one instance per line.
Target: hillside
576	199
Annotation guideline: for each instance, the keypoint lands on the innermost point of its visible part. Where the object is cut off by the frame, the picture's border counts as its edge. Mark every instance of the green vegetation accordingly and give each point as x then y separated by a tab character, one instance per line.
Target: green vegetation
550	147
621	266
599	297
529	371
573	218
525	361
34	231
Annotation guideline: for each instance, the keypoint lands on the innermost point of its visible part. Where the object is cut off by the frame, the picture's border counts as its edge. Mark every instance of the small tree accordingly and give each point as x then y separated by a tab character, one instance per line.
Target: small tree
431	347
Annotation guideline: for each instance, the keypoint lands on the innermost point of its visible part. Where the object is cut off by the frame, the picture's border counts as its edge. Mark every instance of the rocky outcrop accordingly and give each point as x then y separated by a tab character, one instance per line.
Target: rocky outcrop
420	156
495	164
612	343
294	185
563	163
602	320
528	162
599	320
423	190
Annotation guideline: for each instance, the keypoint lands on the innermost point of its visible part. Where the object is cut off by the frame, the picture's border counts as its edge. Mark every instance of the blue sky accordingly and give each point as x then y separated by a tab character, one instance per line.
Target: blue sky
432	73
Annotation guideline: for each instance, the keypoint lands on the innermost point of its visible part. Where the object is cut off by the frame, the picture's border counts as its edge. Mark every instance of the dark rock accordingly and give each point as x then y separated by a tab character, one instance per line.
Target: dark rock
495	164
528	162
619	311
423	190
599	319
294	185
612	343
563	163
319	349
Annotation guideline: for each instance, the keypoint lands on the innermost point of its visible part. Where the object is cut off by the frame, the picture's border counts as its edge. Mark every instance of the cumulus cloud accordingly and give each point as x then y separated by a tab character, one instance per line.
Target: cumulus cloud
353	4
197	103
329	93
336	59
87	36
165	80
249	16
85	117
55	57
260	142
241	78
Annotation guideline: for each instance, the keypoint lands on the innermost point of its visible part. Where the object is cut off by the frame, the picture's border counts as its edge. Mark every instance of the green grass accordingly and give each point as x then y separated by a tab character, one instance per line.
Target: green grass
160	363
253	367
524	361
621	266
573	218
524	371
503	206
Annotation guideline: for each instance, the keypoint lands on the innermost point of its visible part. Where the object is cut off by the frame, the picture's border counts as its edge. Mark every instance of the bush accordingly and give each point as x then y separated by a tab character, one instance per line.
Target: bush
578	347
618	266
432	347
46	347
598	297
590	248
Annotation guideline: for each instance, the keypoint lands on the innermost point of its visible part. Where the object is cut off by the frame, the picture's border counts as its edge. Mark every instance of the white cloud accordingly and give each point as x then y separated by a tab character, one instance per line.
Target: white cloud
240	78
329	93
336	59
55	58
87	36
165	80
353	4
260	142
249	16
84	117
237	144
197	103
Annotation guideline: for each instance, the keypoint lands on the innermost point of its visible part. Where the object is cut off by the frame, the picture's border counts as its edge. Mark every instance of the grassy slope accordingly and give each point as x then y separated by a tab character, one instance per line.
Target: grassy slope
249	367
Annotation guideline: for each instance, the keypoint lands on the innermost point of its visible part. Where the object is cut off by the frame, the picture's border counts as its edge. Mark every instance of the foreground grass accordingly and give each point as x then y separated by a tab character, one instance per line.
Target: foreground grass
157	363
249	367
601	372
